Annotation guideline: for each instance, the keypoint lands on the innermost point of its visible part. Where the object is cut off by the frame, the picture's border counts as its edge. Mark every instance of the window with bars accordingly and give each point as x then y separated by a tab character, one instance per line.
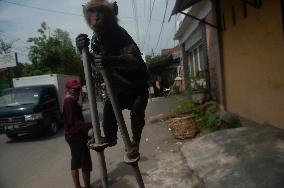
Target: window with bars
195	61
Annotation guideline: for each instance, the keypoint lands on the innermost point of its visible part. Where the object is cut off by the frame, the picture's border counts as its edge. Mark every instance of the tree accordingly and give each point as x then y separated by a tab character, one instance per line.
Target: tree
5	46
53	54
6	74
153	58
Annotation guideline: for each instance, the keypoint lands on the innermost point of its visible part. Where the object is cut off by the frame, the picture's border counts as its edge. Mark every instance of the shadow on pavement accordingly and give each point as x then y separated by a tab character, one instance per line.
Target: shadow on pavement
252	155
117	175
35	137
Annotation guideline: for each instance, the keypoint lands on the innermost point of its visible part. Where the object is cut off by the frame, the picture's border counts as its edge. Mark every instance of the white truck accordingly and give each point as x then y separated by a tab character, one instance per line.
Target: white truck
35	104
58	80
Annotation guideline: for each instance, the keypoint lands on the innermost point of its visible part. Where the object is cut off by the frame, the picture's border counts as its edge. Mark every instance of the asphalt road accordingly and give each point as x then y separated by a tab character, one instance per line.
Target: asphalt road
44	162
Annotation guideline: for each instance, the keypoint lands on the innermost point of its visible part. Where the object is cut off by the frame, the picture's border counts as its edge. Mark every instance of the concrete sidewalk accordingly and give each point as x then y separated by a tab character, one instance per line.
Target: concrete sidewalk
168	168
247	157
162	164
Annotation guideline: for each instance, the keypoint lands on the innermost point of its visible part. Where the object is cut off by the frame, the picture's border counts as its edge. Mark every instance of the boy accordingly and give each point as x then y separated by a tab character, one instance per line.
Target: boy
76	134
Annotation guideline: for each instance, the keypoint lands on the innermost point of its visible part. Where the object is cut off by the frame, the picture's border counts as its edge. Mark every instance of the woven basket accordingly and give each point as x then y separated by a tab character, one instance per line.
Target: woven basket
183	127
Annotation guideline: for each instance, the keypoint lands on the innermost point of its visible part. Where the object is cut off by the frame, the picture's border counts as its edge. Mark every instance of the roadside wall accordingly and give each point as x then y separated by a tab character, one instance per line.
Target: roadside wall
213	56
253	51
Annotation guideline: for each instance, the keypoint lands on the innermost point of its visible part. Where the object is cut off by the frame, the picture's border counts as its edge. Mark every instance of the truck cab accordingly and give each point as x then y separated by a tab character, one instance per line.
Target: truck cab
29	109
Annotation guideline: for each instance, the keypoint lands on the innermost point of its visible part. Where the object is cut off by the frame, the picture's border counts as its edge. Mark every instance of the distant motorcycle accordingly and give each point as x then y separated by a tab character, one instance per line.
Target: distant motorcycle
166	92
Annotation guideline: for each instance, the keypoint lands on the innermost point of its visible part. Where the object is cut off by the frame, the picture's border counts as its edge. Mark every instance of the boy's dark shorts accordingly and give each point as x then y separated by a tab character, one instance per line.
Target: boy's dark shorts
80	153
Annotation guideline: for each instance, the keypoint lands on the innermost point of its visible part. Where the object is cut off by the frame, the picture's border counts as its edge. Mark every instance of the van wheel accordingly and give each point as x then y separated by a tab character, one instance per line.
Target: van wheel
12	136
53	127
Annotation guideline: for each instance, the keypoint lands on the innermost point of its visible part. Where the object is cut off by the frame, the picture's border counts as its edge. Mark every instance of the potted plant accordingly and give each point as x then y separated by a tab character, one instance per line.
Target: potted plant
198	88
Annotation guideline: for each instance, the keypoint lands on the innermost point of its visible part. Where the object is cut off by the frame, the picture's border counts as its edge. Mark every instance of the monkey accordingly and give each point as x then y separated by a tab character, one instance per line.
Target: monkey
114	48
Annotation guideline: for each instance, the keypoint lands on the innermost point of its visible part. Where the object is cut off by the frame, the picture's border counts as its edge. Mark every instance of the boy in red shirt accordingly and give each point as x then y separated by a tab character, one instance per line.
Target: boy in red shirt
76	134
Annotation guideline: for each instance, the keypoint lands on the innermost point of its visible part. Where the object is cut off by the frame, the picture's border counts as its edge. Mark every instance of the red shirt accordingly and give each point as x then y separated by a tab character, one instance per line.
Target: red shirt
74	124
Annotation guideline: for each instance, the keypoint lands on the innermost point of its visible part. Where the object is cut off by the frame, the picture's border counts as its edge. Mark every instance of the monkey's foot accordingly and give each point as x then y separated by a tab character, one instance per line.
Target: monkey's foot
111	142
98	147
132	157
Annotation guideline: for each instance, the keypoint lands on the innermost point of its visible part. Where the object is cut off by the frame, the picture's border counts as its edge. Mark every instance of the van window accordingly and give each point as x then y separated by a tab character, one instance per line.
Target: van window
19	96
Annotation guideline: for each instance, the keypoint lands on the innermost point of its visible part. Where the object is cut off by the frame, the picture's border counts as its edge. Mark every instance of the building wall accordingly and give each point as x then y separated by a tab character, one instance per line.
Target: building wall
213	57
253	52
185	68
189	34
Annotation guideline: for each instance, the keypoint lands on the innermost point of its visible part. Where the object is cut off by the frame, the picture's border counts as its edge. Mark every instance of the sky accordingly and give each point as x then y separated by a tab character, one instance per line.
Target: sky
19	22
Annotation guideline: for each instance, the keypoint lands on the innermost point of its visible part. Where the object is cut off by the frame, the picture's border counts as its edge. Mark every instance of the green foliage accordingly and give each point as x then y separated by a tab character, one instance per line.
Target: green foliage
197	84
7	74
153	58
5	46
53	54
207	119
184	107
202	116
224	121
4	82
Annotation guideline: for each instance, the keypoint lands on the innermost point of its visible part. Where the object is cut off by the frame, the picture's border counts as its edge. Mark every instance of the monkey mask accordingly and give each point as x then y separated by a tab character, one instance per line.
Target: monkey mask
100	13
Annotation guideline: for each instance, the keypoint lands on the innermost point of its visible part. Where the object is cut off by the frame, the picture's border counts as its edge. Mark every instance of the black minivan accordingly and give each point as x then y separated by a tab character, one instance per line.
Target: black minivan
29	109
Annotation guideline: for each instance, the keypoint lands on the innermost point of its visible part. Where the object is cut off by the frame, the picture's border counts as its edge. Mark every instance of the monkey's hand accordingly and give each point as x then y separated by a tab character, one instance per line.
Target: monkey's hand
82	41
102	61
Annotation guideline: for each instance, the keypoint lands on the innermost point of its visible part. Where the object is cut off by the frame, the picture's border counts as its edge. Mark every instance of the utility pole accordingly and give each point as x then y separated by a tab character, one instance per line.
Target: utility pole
16	59
10	77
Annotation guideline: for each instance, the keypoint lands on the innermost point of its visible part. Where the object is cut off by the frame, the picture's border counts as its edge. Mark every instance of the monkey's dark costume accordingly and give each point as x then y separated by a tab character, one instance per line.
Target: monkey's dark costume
129	82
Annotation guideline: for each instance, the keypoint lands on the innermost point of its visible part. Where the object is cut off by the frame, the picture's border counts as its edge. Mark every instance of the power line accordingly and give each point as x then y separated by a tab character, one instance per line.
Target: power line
144	19
173	31
161	30
150	20
50	10
21	54
25	49
8	36
134	7
146	27
14	39
42	9
131	18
